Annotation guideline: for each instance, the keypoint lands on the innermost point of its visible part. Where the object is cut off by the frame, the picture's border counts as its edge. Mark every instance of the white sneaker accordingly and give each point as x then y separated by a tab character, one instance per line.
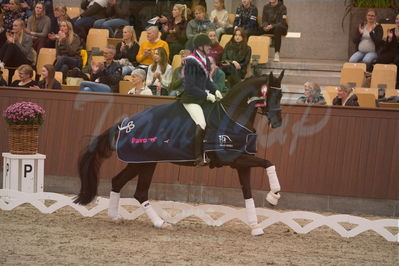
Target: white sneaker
276	57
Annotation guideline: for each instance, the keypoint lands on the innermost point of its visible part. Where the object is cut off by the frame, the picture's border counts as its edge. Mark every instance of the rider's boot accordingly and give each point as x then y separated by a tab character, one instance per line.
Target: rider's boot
200	158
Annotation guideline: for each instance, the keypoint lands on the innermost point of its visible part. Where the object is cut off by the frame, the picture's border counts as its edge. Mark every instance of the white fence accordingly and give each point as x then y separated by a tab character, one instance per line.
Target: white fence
10	199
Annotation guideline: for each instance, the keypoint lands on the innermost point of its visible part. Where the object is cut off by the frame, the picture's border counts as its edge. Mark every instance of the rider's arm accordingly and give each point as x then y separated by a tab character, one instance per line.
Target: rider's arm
192	76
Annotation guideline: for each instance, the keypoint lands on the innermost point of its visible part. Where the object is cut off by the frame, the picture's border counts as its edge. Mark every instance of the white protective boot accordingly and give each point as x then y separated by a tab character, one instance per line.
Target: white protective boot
273	196
154	217
113	207
252	218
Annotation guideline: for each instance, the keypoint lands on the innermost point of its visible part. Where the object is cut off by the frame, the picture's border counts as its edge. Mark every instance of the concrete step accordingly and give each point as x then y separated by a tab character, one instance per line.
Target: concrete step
305	65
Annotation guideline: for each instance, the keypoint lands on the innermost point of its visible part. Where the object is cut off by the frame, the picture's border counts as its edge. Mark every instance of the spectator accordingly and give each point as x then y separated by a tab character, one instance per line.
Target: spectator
159	74
176	86
216	50
138	78
174	31
274	22
246	18
145	54
93	10
116	15
312	94
18	48
191	5
200	24
368	39
25	80
11	13
67	47
60	14
345	96
126	51
218	76
220	18
48	79
236	57
39	27
106	75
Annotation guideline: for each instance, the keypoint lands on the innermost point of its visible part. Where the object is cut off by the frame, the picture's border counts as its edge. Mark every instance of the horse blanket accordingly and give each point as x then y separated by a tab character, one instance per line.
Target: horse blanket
165	133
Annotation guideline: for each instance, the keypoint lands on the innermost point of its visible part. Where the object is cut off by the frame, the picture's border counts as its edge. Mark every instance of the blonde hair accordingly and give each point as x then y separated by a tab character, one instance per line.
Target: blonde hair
70	31
27	69
63	9
130	29
21	34
182	9
345	87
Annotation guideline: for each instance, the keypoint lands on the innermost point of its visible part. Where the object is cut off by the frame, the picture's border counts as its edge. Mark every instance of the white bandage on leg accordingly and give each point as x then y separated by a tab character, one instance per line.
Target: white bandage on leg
113	205
155	219
251	212
273	180
196	113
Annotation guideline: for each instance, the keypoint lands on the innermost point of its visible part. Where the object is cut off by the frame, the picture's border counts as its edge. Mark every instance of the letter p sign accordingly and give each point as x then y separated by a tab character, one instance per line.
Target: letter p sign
27	169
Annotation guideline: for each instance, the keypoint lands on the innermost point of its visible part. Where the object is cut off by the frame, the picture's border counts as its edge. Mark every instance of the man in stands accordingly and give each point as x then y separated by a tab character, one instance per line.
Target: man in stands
145	54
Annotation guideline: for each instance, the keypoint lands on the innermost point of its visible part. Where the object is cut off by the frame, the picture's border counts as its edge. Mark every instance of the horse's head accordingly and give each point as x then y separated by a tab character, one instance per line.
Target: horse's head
262	92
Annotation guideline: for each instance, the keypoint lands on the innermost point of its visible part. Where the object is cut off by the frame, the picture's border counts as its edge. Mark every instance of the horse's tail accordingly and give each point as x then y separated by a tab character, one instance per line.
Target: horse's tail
89	163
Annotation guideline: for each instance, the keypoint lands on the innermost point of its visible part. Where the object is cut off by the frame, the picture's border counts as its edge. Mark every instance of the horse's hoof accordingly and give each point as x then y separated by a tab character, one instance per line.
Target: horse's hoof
273	198
256	230
166	226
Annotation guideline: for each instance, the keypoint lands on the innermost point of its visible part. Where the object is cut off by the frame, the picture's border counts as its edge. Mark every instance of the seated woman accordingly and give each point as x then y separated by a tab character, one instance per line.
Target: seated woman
68	48
60	14
368	39
200	24
116	15
345	96
12	12
176	85
274	22
138	80
159	73
236	57
25	80
18	48
126	51
220	18
216	50
93	10
174	31
312	94
246	18
48	79
39	27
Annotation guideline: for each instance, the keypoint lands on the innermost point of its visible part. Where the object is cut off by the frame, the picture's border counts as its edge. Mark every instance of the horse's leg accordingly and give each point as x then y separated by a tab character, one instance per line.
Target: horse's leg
244	174
246	160
143	185
118	181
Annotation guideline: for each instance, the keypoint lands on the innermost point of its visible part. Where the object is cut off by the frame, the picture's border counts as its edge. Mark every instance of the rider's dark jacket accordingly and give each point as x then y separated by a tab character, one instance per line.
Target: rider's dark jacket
196	80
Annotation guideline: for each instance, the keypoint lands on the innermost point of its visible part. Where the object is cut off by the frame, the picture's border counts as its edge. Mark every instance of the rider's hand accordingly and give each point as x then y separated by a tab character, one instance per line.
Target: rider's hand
211	97
218	95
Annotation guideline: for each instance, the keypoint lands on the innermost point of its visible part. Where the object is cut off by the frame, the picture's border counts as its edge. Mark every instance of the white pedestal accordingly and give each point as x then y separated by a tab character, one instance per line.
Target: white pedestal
23	172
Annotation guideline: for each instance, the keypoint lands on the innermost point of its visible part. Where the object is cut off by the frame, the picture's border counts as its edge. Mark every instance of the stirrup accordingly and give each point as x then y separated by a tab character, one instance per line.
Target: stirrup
273	198
256	230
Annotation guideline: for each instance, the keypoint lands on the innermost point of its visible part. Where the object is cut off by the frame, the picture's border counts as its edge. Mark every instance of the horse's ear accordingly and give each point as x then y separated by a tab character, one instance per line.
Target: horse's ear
271	77
280	78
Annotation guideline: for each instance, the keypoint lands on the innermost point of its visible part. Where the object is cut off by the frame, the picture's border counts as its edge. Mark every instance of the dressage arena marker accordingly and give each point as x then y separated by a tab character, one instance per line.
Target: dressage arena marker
10	199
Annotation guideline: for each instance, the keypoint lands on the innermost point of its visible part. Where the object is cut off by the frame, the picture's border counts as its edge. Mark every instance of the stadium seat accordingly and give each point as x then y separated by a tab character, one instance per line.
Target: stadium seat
353	76
225	39
97	58
73	11
391	92
392	67
231	18
388	105
386	27
259	46
143	36
373	91
46	56
114	41
362	66
383	78
366	99
70	87
329	93
97	38
6	73
125	86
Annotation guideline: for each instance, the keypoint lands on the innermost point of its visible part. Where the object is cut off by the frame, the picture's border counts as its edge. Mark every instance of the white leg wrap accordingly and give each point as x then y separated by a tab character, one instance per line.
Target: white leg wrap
251	212
273	180
252	218
155	219
113	205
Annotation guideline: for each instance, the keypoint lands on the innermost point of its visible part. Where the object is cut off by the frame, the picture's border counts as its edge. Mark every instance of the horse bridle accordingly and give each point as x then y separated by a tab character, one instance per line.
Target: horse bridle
262	105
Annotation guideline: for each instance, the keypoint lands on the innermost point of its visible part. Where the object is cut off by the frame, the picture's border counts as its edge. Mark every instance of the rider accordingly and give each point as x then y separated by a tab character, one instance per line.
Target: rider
198	88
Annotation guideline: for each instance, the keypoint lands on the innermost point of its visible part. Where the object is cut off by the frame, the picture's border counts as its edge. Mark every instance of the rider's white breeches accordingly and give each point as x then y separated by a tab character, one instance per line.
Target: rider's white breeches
196	113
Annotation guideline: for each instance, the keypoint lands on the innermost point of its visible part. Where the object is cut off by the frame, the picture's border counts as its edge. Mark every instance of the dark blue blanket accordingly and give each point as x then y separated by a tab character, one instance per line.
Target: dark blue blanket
165	133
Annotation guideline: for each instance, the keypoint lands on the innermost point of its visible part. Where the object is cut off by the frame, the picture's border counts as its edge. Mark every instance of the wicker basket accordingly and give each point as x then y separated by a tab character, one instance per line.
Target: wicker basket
23	139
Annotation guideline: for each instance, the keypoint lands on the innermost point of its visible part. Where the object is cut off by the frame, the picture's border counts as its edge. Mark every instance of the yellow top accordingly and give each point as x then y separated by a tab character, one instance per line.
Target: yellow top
147	60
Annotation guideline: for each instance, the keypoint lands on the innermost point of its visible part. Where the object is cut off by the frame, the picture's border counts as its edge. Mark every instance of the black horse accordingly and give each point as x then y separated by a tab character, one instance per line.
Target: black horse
241	104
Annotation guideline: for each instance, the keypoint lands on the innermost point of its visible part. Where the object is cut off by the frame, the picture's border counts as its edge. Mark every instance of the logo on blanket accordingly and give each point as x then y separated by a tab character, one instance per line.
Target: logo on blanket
225	141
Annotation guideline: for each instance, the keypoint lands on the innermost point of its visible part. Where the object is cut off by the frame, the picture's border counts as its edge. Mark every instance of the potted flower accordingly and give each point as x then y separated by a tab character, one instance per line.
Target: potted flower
24	120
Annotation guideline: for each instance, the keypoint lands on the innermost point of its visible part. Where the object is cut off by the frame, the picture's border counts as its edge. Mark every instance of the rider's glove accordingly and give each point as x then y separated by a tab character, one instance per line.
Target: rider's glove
218	95
210	97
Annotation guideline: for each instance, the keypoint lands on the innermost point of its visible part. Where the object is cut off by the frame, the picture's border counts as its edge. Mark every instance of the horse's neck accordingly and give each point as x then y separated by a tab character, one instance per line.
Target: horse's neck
242	114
